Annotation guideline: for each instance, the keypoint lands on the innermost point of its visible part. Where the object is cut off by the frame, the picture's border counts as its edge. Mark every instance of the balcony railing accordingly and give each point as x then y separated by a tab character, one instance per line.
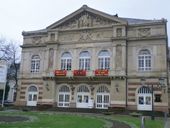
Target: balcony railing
89	73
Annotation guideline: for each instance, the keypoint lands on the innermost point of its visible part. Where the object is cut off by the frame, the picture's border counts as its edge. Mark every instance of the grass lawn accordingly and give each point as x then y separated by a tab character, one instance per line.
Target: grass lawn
50	120
135	121
75	120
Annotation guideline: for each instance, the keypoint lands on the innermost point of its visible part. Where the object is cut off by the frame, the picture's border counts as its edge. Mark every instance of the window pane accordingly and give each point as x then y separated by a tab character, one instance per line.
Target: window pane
84	60
34	97
99	99
35	64
61	98
79	99
141	100
30	97
157	98
144	60
67	98
66	61
104	60
148	100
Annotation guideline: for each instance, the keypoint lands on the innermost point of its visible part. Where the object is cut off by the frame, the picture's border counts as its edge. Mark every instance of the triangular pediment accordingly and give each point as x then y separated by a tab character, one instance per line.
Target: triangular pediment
86	17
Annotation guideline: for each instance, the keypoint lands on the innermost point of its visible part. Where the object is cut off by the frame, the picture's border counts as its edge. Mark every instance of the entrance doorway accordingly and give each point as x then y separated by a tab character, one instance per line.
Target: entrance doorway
32	96
83	95
144	97
64	97
102	98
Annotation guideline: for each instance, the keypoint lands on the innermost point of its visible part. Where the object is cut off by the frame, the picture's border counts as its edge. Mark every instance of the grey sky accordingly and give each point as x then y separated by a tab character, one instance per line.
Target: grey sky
28	15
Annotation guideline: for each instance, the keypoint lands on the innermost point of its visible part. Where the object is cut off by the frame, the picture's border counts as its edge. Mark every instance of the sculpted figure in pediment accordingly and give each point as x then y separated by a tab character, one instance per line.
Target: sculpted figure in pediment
85	20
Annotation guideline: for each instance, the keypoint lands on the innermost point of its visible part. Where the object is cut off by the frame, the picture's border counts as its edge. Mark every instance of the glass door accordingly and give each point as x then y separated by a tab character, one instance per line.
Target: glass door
102	101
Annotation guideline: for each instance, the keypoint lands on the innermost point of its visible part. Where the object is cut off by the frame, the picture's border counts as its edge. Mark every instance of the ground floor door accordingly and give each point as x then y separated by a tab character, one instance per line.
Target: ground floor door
32	96
32	99
82	100
64	100
145	102
102	101
144	99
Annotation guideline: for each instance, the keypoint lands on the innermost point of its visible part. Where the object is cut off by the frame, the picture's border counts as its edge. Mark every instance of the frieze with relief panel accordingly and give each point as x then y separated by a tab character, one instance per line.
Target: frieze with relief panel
144	32
85	35
84	20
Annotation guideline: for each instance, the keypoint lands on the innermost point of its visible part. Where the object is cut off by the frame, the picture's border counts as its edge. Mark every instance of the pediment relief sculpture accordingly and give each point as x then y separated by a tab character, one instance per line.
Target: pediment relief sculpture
85	20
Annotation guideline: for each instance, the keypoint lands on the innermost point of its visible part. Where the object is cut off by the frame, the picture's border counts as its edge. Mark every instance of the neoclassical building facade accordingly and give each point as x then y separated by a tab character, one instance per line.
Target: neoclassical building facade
90	59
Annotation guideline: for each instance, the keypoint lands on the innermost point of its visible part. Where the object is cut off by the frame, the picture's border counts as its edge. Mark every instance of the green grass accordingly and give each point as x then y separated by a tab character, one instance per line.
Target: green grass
135	121
75	120
46	120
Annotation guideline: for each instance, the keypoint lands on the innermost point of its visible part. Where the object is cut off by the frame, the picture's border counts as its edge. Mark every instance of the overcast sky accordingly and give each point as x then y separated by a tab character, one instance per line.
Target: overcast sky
28	15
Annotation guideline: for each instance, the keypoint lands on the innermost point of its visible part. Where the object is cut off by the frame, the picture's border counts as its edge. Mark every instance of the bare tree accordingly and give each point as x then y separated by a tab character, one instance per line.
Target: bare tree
9	51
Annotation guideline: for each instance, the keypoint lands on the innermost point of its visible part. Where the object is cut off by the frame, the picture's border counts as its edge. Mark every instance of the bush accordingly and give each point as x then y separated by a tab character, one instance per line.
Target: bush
1	108
135	114
25	109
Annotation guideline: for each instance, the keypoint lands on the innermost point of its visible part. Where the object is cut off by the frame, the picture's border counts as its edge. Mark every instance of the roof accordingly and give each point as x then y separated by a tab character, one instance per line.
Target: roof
122	20
141	21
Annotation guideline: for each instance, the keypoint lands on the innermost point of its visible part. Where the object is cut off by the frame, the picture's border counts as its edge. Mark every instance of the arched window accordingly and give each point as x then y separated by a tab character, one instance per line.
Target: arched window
66	61
144	90
104	60
84	60
35	63
83	88
103	89
144	60
64	97
32	89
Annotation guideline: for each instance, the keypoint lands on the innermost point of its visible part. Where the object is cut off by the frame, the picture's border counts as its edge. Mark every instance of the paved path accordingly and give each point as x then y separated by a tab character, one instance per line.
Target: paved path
167	124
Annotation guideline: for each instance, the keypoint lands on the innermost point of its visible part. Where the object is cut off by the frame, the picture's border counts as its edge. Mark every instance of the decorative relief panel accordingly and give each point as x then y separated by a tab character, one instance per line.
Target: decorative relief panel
84	35
36	40
85	20
144	32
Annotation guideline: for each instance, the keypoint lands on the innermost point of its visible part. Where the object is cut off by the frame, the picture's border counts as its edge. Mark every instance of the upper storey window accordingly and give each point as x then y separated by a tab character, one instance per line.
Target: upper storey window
84	60
35	63
66	61
104	60
144	60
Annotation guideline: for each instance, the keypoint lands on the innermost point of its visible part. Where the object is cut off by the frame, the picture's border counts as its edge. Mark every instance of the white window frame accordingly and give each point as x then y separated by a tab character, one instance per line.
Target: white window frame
104	60
102	97
84	60
35	64
66	61
144	99
83	97
32	96
64	91
144	60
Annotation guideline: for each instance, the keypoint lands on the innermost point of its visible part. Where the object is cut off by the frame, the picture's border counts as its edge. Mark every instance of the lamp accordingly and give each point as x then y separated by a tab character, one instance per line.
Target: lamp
162	82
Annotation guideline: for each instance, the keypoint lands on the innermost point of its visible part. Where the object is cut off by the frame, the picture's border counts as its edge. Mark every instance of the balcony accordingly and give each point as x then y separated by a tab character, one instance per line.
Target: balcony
89	73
